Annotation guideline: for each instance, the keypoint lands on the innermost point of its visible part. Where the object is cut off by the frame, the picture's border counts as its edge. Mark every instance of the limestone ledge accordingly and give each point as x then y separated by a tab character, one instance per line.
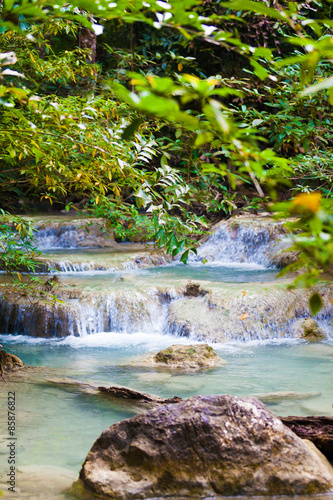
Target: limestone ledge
222	313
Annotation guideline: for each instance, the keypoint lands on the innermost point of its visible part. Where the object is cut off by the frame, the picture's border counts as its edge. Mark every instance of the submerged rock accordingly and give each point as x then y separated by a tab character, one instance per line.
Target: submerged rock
139	401
188	357
129	395
310	331
277	397
204	446
9	362
319	430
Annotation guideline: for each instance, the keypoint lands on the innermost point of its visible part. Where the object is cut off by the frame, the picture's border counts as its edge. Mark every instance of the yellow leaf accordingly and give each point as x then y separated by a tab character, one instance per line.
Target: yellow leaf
136	82
117	190
244	316
32	58
83	150
20	156
79	175
19	276
97	200
244	293
180	66
309	201
94	153
193	80
331	301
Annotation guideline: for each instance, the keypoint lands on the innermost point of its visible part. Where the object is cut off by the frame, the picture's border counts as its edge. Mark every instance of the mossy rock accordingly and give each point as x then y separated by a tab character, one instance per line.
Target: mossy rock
311	331
188	357
9	362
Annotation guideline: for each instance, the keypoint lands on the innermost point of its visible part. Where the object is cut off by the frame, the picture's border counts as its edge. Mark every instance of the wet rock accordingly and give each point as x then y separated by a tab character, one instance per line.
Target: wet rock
124	393
37	318
311	331
319	430
204	446
194	290
276	397
188	357
283	259
9	362
139	401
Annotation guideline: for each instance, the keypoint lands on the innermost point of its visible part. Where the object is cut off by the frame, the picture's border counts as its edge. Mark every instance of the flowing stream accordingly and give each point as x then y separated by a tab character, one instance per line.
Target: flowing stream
127	317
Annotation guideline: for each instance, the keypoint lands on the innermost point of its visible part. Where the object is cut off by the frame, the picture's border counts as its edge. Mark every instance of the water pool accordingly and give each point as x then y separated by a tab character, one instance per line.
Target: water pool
56	426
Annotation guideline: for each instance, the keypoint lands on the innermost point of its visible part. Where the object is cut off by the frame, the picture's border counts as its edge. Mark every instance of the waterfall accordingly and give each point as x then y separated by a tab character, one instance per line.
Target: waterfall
272	314
253	241
67	232
127	312
224	312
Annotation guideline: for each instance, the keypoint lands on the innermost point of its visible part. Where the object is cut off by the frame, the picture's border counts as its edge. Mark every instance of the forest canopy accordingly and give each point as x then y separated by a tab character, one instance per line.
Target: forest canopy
163	117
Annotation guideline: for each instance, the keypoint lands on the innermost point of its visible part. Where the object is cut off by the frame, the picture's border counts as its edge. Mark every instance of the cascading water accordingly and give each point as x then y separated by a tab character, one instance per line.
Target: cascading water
66	237
247	241
239	251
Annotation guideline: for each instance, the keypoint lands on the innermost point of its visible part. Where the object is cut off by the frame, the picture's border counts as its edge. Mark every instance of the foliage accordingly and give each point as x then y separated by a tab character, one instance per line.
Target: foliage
171	138
313	240
19	259
18	250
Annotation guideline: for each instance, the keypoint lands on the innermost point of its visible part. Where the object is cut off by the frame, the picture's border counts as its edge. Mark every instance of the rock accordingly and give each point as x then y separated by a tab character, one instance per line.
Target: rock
194	290
319	430
130	395
9	362
284	258
276	397
311	331
141	401
204	446
188	357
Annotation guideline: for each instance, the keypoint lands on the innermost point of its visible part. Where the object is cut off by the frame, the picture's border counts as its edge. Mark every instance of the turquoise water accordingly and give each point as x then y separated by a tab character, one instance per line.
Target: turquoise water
229	273
170	273
57	423
57	426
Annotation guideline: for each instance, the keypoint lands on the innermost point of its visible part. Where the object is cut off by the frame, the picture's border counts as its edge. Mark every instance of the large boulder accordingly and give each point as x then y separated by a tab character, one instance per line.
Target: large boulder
204	446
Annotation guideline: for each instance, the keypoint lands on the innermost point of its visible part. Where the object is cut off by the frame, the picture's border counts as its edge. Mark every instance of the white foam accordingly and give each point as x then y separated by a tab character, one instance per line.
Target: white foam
151	340
118	339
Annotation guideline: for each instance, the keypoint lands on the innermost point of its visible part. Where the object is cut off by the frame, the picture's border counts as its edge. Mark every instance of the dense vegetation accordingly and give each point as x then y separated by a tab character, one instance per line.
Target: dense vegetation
165	116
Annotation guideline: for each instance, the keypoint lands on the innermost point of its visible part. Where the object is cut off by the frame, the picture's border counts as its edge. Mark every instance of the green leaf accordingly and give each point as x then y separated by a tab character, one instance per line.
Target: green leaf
184	257
315	303
130	130
258	7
